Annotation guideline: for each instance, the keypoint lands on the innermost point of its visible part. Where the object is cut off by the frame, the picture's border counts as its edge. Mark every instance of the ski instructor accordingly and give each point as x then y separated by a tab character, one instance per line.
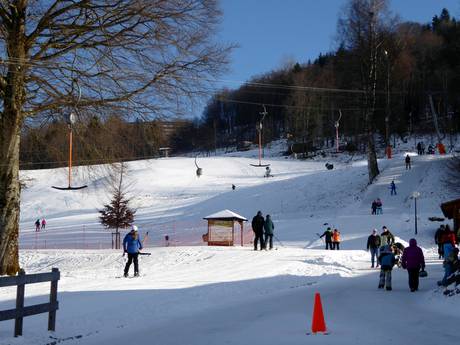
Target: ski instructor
131	245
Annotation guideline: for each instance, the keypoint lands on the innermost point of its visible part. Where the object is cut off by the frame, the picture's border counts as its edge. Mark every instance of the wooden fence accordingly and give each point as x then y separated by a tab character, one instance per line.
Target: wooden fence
20	311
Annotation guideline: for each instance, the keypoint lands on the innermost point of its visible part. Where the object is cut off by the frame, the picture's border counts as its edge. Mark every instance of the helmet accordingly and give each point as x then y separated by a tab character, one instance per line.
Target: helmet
134	228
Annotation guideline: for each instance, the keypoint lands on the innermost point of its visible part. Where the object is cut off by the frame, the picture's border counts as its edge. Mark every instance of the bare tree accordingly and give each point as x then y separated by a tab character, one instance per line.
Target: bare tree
359	29
138	55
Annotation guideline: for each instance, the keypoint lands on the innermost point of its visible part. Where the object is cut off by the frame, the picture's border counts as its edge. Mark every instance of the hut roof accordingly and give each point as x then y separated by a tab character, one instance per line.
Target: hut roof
448	208
225	215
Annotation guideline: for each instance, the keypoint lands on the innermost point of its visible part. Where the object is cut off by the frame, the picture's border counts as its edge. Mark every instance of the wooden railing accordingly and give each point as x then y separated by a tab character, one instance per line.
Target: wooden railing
20	311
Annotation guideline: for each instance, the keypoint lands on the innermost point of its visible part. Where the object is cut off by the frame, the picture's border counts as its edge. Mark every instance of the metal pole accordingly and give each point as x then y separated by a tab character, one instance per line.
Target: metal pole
260	143
70	156
415	199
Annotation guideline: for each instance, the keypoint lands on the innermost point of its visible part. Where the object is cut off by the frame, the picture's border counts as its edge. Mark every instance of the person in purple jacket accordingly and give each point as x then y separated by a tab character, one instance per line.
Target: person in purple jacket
414	261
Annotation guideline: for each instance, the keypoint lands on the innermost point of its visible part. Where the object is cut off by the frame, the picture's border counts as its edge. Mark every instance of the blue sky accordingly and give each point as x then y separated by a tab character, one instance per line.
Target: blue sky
272	32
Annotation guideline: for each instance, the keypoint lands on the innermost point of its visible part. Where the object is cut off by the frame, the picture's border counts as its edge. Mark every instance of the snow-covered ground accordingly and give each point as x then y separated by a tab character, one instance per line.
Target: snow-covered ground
234	295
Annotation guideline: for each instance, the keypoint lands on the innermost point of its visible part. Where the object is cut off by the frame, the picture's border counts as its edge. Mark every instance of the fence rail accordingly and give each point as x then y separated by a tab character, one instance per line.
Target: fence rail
20	311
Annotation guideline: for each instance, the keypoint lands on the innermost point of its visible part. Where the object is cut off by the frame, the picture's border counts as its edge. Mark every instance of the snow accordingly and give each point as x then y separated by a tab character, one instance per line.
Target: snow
194	294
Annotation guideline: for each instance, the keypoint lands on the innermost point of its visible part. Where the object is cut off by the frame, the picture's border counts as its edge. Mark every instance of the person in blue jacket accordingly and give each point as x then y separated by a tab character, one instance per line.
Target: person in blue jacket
131	245
387	260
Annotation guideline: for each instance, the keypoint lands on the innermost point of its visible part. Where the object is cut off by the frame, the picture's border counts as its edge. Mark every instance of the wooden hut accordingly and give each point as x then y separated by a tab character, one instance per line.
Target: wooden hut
451	210
221	228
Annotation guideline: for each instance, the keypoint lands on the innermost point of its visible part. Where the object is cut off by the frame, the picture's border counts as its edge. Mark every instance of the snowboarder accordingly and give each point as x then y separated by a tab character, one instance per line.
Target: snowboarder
392	188
407	160
413	260
336	239
328	234
37	225
387	261
373	244
43	224
258	228
438	239
387	237
268	231
233	187
132	245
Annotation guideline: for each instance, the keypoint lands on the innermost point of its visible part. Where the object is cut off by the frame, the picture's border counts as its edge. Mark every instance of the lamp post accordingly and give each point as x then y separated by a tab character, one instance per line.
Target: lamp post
415	195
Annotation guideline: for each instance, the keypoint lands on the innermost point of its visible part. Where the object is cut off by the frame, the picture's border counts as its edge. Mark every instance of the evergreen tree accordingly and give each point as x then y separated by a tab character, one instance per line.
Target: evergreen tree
117	214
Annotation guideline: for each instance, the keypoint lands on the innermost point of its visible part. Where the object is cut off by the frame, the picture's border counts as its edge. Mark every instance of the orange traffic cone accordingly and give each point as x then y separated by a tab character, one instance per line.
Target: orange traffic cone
318	324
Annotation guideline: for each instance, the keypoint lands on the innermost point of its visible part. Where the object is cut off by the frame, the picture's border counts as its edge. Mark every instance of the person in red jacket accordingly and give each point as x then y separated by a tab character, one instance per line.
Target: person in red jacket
414	261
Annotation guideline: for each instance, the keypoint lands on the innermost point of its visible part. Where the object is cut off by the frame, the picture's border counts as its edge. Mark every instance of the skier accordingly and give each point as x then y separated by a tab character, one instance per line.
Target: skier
419	148
438	239
413	260
233	187
268	231
393	188
422	146
43	224
387	237
373	244
37	225
328	234
336	239
387	261
258	228
407	160
131	245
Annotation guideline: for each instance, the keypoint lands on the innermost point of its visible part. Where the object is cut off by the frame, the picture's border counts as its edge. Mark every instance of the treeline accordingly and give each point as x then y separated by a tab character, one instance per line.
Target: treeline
95	141
412	62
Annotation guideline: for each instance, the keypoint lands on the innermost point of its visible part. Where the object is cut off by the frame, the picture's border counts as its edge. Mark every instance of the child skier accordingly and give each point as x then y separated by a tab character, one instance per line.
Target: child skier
387	261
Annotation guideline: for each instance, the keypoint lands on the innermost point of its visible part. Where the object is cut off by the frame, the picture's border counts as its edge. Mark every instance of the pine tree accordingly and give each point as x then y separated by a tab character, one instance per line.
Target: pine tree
117	215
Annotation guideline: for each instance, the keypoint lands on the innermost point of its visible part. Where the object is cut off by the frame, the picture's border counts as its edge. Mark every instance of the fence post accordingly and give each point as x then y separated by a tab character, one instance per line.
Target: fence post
53	301
19	303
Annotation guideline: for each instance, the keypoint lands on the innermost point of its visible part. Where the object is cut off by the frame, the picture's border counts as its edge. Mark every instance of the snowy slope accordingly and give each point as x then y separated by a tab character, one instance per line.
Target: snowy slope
210	295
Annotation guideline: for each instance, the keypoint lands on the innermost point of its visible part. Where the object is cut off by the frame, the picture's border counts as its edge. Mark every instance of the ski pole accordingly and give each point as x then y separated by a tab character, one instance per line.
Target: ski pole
276	238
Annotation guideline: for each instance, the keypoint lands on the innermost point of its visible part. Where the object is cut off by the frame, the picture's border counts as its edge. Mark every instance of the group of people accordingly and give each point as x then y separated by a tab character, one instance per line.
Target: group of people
263	227
332	238
40	225
446	239
421	148
377	206
386	253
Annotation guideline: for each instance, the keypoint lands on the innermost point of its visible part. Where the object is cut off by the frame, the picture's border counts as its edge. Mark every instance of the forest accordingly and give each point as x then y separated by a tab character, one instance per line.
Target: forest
387	77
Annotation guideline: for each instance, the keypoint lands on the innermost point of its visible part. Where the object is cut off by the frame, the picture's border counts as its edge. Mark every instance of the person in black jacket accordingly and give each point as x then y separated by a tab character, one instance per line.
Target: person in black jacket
373	244
258	227
328	235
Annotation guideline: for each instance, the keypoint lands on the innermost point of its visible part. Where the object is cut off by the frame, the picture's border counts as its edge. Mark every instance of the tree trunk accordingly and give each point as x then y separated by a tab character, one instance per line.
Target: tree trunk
10	191
372	165
10	127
